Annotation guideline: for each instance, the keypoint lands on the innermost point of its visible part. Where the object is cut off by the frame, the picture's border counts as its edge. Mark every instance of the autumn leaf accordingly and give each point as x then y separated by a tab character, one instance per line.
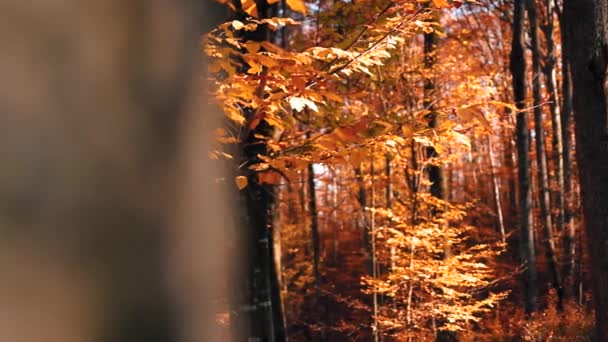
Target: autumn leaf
252	47
250	7
241	182
255	68
462	139
237	25
297	5
441	3
299	103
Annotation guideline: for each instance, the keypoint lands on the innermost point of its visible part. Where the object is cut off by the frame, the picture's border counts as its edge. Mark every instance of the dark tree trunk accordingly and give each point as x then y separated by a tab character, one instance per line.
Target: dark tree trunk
435	171
587	45
568	197
518	70
314	227
541	156
259	313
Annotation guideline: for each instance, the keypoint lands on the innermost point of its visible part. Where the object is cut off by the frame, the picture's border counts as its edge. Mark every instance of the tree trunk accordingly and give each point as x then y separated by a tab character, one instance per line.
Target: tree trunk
556	122
435	171
92	99
257	290
587	44
314	227
362	199
568	197
541	156
496	191
518	70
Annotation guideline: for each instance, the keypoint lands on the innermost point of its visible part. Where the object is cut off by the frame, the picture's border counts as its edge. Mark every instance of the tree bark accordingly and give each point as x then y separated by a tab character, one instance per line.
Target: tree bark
541	156
496	191
314	228
568	197
587	44
518	70
258	301
435	171
556	122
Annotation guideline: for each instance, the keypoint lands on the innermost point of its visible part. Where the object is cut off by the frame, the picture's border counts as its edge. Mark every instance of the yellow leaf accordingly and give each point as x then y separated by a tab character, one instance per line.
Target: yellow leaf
237	25
297	5
255	68
249	7
259	167
235	116
298	103
441	3
252	47
461	139
241	182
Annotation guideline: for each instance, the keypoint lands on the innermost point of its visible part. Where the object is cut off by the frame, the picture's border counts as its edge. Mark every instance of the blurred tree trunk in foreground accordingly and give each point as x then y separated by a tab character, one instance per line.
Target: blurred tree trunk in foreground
587	45
91	96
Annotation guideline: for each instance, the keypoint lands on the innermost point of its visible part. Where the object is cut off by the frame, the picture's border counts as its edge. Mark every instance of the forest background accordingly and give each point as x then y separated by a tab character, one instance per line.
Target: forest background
407	169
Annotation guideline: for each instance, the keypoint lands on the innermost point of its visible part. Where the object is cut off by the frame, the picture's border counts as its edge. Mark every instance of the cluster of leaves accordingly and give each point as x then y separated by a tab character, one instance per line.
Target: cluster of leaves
353	94
318	88
437	271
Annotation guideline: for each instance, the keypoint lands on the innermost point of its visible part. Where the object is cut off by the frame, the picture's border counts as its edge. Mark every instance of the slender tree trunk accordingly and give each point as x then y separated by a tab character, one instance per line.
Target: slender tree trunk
496	191
334	215
587	43
314	227
556	122
362	198
375	327
435	172
568	197
541	156
510	163
518	70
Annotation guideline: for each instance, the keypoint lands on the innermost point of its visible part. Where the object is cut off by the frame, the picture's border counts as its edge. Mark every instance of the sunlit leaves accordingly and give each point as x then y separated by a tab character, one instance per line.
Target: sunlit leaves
299	103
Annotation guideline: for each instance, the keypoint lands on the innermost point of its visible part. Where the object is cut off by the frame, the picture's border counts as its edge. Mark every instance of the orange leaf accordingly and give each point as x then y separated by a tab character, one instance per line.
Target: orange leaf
441	3
241	182
297	5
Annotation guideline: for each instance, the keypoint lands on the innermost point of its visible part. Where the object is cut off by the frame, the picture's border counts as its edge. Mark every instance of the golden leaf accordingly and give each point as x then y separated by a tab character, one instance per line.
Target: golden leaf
461	139
241	182
255	68
249	7
237	25
441	3
297	5
298	104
